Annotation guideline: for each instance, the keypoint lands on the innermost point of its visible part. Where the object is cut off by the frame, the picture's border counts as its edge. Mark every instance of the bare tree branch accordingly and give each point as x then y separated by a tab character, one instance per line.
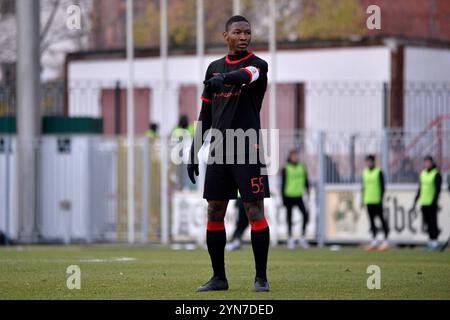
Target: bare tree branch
48	24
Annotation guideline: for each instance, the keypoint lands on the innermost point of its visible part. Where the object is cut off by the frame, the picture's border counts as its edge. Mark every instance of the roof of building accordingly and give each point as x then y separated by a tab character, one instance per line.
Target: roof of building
261	47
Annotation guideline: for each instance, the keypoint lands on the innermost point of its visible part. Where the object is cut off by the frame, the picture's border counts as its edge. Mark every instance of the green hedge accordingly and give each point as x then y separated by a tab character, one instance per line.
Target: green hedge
58	125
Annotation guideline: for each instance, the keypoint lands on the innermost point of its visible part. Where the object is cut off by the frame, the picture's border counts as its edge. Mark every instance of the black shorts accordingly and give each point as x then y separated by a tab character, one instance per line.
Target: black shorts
223	181
291	202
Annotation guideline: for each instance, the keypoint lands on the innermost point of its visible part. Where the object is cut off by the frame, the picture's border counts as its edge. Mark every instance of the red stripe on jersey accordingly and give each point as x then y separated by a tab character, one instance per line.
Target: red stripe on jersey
205	99
215	226
227	59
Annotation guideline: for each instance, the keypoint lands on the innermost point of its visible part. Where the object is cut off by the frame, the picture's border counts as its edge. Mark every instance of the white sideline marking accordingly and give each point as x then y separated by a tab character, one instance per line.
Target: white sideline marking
121	259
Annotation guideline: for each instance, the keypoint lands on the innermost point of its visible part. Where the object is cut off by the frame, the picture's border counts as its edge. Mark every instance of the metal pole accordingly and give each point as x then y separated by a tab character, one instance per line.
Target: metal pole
385	101
130	123
273	84
386	136
200	49
8	149
236	7
164	191
385	155
321	214
439	155
28	115
352	158
117	108
145	186
164	53
273	65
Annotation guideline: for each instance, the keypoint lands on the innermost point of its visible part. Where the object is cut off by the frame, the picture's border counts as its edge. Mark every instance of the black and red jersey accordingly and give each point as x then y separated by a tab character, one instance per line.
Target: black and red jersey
237	107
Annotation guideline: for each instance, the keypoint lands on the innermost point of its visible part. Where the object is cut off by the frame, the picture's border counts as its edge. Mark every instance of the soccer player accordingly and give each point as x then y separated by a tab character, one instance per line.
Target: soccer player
428	193
372	198
232	98
294	185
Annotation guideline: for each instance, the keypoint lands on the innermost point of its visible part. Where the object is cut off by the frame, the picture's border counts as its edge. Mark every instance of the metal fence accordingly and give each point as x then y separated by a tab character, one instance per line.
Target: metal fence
53	97
82	179
331	106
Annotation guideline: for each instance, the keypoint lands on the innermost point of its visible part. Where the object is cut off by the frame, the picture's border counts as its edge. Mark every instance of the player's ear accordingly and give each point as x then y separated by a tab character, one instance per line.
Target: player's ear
225	35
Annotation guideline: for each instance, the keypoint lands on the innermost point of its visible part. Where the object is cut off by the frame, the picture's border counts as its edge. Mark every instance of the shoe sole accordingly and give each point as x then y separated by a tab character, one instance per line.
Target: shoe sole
211	290
206	290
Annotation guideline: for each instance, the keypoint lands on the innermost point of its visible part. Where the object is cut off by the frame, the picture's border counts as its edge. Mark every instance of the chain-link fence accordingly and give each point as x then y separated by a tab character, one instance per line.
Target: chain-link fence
331	106
82	178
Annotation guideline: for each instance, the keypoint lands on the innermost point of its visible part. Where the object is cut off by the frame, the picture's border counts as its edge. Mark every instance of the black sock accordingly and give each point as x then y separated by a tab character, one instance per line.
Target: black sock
260	244
216	241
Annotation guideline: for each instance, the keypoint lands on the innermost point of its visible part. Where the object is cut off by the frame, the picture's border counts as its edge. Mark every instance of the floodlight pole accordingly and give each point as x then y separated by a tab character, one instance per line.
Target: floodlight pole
200	48
236	7
273	82
164	54
28	115
273	64
130	123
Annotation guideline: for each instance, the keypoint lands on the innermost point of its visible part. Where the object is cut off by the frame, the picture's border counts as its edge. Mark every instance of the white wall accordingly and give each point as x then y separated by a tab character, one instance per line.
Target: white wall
427	78
427	64
363	64
9	221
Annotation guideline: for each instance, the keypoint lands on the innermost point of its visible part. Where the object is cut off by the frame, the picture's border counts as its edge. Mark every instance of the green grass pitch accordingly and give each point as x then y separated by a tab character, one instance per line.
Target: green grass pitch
39	272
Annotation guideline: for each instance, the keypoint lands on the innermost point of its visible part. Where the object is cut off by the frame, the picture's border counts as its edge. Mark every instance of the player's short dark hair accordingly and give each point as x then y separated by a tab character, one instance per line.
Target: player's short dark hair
154	126
429	158
234	19
370	157
183	122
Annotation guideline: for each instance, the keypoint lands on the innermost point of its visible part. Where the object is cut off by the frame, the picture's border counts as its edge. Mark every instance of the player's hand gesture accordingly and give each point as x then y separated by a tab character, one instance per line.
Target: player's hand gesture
215	84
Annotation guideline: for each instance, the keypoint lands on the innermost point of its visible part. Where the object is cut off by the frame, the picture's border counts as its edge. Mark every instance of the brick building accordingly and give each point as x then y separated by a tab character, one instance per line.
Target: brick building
425	19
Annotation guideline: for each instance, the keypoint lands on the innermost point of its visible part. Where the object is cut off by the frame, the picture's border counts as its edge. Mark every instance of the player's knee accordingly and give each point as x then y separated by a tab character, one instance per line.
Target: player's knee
216	210
255	213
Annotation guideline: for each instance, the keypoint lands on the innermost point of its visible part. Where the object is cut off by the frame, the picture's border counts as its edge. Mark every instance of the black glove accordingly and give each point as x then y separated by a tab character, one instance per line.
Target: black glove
192	170
215	83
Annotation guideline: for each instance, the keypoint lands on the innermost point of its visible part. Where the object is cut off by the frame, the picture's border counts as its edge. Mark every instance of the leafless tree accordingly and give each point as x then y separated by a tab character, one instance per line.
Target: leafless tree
56	38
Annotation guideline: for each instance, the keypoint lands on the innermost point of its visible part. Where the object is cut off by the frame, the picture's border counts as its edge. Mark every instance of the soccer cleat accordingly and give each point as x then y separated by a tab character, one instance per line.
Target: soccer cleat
432	246
372	246
304	243
261	285
233	245
215	284
291	244
384	246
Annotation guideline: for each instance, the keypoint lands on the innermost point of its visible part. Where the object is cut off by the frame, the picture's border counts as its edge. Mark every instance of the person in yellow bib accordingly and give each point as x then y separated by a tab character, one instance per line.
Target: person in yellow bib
372	198
430	181
294	185
152	132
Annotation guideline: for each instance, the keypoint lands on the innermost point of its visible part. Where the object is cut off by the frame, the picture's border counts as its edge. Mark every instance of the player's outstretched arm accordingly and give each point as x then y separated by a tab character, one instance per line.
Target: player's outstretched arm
240	77
204	124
